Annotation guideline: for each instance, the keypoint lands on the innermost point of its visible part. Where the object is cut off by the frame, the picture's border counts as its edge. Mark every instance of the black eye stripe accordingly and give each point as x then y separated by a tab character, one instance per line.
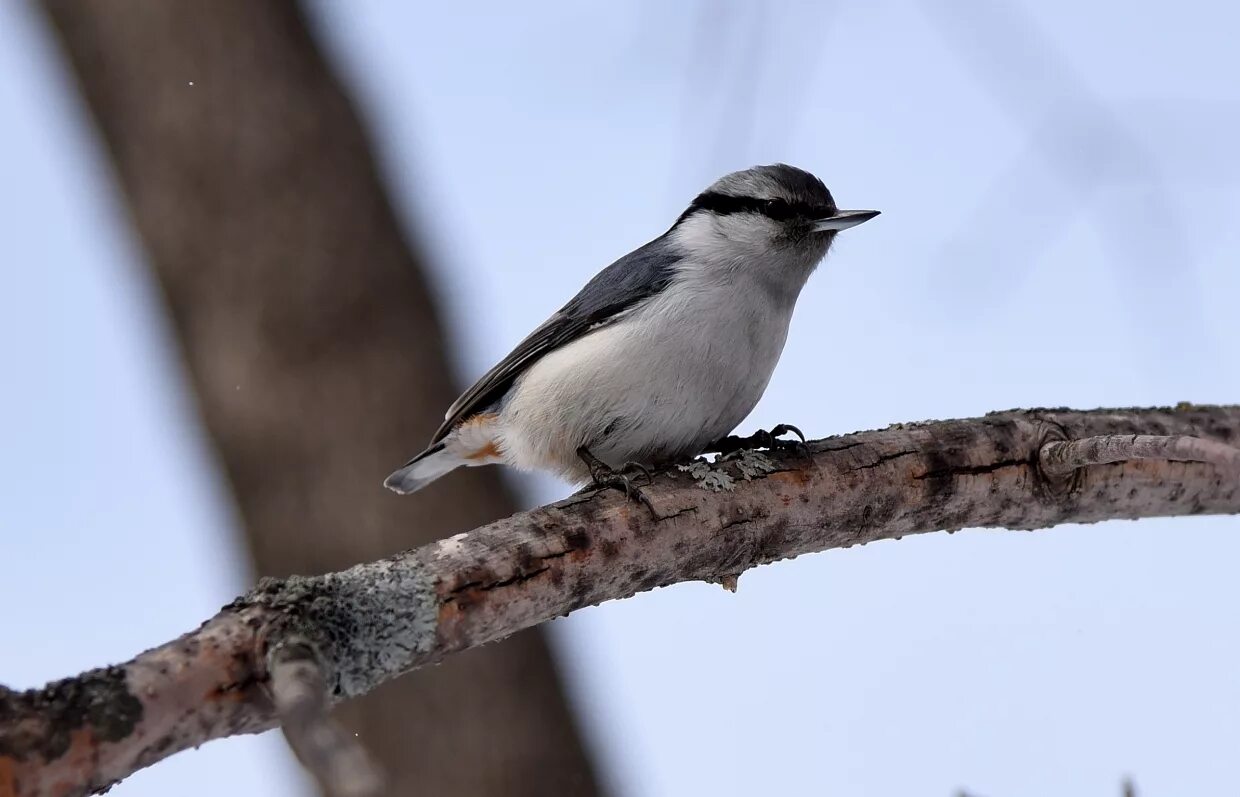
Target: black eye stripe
778	209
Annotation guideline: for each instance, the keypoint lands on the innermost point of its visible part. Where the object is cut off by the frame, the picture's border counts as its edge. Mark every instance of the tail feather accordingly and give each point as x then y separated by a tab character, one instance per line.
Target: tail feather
472	442
423	469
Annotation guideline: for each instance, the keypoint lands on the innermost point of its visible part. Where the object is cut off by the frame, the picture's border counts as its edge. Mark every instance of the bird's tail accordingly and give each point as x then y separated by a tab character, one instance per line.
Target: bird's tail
472	442
422	470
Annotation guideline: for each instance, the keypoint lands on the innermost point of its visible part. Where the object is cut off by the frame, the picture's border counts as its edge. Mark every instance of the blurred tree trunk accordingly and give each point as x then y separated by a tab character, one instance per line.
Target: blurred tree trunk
313	346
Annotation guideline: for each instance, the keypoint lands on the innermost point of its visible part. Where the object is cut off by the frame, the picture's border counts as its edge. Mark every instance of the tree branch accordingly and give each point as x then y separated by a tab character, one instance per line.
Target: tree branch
352	630
1062	456
299	692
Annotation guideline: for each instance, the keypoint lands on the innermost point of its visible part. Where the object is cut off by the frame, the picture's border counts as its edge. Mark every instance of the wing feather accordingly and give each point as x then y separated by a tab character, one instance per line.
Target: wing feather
632	279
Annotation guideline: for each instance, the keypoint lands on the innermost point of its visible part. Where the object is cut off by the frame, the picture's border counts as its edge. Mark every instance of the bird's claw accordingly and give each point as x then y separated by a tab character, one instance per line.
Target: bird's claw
631	466
604	477
762	438
799	445
771	438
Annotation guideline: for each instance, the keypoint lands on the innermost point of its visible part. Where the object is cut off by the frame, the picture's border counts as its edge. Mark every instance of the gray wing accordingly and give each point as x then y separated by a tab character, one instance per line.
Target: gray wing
633	278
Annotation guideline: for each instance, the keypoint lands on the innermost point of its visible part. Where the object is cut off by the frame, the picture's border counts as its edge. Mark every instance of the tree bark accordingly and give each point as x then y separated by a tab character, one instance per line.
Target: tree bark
353	630
312	345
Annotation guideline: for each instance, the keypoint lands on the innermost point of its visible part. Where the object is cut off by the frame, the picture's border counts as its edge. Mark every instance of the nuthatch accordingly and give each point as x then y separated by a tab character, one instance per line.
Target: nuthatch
662	353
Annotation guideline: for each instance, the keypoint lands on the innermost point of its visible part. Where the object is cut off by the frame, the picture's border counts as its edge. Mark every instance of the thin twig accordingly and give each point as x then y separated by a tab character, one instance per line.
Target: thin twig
299	692
1061	457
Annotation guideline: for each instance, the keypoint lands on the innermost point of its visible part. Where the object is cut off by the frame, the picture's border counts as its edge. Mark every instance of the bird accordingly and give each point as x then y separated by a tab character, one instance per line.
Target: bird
662	354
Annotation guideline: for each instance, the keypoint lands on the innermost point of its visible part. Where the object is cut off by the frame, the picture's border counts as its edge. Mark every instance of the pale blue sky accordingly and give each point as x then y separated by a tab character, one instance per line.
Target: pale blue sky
1060	191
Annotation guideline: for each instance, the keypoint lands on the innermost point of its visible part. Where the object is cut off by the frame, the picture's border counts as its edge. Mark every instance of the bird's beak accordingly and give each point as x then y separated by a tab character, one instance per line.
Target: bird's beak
843	219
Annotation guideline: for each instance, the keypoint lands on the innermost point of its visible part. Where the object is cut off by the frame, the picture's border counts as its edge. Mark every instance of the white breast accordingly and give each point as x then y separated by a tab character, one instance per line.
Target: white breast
677	372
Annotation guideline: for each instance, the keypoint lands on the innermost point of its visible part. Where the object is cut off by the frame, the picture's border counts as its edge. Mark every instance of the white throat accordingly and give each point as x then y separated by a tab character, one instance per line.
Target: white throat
734	249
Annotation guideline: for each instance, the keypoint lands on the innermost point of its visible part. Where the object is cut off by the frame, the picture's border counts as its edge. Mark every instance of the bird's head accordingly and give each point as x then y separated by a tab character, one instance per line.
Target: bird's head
777	211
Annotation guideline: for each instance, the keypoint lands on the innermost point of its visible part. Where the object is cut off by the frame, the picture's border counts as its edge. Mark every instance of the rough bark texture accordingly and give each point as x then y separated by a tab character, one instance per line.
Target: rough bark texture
312	345
1062	456
375	621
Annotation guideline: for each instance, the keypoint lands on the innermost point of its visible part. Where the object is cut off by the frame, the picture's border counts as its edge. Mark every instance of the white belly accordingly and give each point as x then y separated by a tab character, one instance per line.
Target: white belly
678	373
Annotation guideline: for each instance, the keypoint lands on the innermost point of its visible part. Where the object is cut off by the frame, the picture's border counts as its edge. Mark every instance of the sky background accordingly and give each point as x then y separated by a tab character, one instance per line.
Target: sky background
1060	187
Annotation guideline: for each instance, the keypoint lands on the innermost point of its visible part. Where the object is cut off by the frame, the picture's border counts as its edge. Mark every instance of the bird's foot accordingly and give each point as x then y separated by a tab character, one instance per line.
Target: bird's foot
770	440
604	477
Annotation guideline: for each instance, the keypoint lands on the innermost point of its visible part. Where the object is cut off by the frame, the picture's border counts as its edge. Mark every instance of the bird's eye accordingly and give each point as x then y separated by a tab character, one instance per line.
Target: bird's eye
777	209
